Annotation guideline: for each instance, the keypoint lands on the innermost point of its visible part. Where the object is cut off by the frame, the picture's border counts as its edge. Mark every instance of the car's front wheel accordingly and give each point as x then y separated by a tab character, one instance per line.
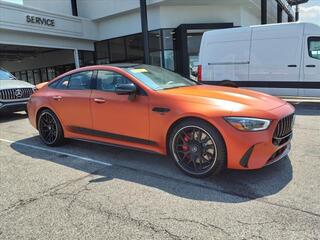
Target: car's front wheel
197	148
50	129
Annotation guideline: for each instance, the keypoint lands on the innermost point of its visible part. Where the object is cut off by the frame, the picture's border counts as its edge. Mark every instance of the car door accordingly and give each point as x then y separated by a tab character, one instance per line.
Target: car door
311	67
70	99
118	116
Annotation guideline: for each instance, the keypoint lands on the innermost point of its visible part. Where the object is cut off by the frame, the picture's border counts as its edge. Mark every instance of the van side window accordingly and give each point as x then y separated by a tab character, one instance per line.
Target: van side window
314	47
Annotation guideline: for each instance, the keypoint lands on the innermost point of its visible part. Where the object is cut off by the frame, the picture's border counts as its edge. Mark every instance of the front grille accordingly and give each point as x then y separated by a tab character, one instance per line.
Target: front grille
283	131
15	93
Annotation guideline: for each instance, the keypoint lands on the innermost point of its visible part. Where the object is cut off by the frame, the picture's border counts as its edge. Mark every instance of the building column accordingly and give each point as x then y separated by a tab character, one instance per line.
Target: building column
263	11
74	7
297	13
144	27
76	58
279	13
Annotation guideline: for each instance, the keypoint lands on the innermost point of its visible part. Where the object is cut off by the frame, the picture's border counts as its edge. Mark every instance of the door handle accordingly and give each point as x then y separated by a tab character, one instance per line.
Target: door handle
311	65
292	65
57	98
99	100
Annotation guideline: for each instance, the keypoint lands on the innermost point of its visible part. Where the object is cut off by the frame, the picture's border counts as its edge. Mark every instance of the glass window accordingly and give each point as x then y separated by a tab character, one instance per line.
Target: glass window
155	40
18	75
102	50
80	81
86	58
37	77
60	83
4	75
314	47
168	38
134	47
156	58
30	76
169	59
158	78
107	80
194	40
59	70
44	76
272	11
51	73
69	67
103	61
284	16
117	50
23	75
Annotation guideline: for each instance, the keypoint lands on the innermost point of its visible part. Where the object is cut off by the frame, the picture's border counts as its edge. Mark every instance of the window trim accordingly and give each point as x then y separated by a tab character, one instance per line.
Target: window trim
309	40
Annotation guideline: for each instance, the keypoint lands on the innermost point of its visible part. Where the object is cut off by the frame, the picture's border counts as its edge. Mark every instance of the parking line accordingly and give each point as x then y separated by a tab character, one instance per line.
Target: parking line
57	152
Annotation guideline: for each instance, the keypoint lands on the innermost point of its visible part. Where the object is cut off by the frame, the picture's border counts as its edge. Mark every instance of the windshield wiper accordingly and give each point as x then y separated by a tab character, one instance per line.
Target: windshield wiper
174	87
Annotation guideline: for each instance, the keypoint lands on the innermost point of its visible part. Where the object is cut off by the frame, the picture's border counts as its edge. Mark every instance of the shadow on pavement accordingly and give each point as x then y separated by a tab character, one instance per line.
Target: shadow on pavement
231	186
7	117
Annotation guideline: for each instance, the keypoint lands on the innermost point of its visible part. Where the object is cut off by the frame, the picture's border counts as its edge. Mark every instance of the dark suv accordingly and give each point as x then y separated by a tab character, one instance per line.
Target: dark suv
14	94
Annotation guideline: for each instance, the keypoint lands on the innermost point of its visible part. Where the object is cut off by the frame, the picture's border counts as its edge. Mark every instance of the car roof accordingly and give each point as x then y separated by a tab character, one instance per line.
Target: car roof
124	65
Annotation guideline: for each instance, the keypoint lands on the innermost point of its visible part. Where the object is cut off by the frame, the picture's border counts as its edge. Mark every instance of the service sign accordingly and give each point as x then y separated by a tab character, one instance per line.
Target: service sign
42	21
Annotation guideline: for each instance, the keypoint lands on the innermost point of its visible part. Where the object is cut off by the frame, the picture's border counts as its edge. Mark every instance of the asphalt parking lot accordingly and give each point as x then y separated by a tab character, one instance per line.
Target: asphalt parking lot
87	191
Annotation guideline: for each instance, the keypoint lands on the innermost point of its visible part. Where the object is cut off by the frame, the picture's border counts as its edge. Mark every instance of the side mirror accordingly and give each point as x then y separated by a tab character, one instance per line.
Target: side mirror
126	89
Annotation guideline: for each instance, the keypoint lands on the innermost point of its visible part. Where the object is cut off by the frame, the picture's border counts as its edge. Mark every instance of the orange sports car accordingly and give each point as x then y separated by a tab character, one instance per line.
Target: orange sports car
204	128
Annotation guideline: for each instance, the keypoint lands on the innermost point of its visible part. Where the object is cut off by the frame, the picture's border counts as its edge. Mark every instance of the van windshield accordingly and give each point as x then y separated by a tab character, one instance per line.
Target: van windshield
158	78
4	75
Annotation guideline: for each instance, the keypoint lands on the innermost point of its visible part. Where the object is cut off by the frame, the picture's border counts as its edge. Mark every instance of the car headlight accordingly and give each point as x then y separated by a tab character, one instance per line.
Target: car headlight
248	124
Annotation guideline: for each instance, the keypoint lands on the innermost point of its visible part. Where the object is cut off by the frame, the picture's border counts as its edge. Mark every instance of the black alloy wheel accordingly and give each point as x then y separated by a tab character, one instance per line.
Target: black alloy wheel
198	149
50	129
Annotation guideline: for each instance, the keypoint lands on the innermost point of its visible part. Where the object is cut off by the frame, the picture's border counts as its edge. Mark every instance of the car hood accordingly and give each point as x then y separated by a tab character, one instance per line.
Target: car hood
9	84
236	98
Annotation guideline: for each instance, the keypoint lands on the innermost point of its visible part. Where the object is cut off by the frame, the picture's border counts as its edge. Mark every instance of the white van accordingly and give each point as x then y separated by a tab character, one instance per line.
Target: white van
279	59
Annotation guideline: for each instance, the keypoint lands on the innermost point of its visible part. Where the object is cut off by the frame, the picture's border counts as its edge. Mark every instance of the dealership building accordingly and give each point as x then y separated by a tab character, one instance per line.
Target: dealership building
41	39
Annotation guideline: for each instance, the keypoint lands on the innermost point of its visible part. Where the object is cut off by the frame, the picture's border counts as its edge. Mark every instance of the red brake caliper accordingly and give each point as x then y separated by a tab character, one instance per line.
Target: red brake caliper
185	147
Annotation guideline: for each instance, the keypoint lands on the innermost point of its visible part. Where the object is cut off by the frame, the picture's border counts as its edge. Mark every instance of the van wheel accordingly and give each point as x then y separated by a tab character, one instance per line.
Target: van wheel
50	129
197	148
228	83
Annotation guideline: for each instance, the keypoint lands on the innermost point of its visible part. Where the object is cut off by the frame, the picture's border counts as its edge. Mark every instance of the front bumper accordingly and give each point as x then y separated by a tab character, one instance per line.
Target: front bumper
16	106
254	150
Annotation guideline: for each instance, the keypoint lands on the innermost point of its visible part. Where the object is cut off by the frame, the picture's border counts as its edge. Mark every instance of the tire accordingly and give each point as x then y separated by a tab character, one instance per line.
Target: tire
50	129
197	148
228	83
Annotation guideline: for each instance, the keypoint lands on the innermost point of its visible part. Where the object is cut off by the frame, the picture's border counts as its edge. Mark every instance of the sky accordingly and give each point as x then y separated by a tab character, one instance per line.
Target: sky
309	12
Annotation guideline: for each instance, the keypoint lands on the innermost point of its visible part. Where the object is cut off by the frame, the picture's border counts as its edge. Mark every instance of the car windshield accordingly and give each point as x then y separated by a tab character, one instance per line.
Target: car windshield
159	78
4	75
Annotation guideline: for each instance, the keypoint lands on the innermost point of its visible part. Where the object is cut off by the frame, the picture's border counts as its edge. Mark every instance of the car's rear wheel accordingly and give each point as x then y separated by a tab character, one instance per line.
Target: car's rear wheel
50	129
197	148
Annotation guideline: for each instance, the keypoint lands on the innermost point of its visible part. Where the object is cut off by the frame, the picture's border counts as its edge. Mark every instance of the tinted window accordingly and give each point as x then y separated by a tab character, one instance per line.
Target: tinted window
4	75
80	81
314	47
107	81
61	83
